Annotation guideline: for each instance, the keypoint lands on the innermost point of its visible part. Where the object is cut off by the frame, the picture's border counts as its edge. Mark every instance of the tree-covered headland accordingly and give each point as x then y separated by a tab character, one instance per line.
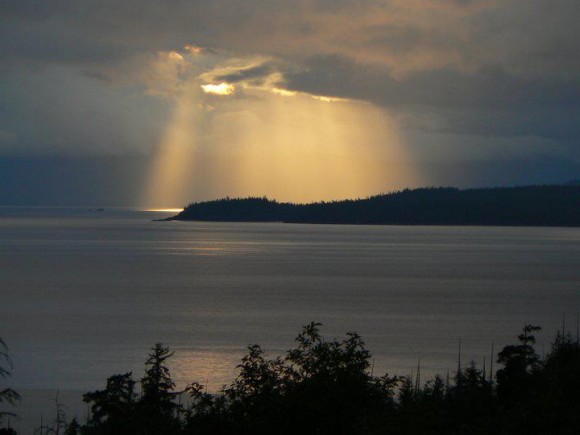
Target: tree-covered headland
557	205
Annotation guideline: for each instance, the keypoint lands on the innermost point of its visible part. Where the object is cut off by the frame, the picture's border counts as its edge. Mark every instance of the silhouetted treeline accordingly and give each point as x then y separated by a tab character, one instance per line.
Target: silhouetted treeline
7	395
327	387
556	205
238	210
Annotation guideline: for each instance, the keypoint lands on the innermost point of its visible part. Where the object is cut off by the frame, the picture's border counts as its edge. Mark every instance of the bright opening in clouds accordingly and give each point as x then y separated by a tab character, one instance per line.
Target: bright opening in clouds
221	89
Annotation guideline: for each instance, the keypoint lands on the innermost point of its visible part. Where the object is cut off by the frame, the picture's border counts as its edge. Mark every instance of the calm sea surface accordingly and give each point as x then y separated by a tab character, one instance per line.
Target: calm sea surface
84	294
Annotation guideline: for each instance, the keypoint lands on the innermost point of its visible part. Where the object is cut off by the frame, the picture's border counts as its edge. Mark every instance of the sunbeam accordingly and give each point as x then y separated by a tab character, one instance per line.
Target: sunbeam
258	139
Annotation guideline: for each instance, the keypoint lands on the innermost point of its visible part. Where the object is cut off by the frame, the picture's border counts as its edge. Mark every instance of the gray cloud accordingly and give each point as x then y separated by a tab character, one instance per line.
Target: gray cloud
489	101
535	38
490	87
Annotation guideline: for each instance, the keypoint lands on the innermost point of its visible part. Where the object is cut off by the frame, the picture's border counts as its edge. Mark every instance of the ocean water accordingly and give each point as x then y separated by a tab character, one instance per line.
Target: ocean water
85	294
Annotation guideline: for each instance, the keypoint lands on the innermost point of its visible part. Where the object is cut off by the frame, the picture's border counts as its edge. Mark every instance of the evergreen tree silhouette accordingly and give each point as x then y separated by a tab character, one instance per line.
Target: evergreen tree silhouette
113	409
7	395
157	406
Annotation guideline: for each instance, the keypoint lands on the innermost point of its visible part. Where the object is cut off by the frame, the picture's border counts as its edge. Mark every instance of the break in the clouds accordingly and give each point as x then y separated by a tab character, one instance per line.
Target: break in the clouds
475	81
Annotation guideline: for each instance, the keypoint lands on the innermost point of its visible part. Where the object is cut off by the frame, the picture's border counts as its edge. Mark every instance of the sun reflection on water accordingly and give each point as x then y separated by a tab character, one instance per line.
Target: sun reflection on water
164	210
211	368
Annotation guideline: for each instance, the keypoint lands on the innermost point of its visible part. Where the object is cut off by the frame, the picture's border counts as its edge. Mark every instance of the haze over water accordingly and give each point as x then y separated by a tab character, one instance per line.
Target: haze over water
86	293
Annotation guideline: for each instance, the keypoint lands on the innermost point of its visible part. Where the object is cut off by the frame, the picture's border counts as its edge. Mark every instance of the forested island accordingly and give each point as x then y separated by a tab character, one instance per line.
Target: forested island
546	205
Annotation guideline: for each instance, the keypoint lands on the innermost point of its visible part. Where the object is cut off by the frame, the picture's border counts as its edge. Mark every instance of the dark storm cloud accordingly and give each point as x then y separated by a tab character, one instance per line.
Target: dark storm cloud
488	101
257	73
490	87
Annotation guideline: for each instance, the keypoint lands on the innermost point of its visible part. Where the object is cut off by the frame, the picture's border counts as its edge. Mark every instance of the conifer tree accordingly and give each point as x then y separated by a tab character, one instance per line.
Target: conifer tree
157	404
7	395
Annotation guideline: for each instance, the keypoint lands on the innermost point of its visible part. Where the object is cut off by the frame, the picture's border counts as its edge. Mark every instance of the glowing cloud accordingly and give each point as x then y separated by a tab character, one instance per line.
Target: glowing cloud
193	49
329	99
220	89
284	92
173	55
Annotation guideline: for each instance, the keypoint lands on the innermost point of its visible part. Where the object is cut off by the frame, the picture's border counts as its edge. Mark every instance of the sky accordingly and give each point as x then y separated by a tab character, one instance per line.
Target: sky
158	104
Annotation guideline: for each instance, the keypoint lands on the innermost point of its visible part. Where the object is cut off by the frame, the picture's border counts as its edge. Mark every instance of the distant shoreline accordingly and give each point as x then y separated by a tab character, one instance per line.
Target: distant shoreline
171	219
528	206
